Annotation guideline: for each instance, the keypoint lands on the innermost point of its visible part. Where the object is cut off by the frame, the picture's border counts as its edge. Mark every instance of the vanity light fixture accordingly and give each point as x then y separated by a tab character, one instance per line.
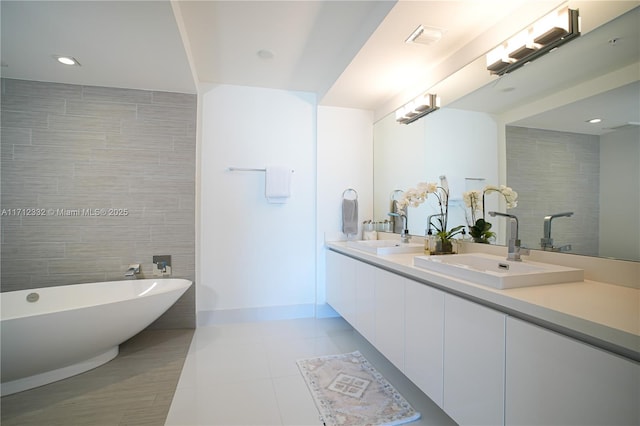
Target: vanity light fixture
541	37
417	108
66	60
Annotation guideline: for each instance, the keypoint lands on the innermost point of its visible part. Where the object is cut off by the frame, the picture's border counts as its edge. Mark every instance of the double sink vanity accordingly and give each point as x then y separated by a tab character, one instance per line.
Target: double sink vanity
480	268
493	341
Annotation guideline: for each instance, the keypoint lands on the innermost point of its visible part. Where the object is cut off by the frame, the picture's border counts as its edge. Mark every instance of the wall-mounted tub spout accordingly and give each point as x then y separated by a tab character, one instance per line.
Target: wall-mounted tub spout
132	271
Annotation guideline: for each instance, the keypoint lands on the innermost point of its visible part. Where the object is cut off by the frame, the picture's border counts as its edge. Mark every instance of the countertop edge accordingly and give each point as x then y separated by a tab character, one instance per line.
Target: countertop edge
614	340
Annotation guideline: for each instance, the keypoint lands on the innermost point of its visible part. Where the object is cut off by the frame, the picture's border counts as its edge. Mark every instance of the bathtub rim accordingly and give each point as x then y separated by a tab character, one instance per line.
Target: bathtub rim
183	283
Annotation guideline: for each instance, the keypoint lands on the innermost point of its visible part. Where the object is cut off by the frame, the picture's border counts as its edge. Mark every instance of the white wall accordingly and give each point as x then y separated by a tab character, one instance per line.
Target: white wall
462	144
345	160
399	160
254	254
620	193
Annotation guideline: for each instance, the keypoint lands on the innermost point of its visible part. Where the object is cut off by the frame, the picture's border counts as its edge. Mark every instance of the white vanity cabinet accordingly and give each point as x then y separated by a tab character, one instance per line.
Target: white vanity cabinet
402	318
481	366
365	300
351	291
424	338
371	300
341	284
552	379
474	362
389	316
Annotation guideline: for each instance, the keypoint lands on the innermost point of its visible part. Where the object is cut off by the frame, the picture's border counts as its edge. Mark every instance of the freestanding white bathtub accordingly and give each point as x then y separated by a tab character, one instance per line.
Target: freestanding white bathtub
51	333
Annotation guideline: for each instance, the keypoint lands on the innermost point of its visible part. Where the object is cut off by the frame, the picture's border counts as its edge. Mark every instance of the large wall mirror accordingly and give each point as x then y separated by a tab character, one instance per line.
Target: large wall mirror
529	130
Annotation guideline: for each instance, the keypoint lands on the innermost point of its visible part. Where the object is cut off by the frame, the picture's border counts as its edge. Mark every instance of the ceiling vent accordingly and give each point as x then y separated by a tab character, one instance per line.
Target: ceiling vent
425	35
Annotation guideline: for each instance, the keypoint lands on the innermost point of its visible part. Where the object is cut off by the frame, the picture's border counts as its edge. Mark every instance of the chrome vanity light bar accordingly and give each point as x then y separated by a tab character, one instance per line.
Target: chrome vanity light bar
538	39
417	108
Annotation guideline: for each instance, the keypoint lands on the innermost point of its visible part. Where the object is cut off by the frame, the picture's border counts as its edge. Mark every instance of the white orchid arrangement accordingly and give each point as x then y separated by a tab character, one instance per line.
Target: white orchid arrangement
415	196
481	229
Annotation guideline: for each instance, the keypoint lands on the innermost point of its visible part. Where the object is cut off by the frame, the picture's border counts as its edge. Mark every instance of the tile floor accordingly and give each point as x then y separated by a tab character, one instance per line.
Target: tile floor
233	374
135	388
246	374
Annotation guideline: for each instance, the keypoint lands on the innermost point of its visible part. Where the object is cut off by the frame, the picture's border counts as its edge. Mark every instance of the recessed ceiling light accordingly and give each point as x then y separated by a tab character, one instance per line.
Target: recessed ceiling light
66	60
264	54
594	120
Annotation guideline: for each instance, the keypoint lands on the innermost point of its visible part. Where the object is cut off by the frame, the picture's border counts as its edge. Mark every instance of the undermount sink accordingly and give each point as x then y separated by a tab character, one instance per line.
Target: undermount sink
386	246
497	272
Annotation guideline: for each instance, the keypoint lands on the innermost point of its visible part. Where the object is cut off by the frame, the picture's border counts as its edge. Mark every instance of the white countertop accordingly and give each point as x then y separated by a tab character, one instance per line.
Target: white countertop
602	314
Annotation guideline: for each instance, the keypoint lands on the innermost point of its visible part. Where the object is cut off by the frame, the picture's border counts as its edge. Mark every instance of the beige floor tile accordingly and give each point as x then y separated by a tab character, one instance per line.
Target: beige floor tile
135	388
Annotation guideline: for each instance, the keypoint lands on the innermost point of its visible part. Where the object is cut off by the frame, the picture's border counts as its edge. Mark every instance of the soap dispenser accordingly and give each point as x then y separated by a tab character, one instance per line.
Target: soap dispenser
429	242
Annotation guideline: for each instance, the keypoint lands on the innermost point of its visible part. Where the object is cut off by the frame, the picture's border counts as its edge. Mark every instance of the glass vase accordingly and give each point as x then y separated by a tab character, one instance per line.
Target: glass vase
444	247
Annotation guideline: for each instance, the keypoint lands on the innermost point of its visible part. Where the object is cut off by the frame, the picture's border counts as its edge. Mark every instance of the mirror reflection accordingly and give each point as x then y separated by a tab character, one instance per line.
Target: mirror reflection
578	182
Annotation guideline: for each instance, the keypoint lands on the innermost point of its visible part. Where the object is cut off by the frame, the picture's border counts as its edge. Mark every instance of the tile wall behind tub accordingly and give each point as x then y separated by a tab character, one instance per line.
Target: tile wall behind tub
68	147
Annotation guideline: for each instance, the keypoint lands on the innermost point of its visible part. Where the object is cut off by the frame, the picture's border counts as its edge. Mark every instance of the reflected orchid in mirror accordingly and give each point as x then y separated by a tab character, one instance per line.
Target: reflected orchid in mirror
480	229
415	196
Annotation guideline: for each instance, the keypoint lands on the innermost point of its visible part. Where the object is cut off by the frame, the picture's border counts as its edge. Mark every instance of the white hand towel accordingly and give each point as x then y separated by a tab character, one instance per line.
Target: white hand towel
277	184
456	187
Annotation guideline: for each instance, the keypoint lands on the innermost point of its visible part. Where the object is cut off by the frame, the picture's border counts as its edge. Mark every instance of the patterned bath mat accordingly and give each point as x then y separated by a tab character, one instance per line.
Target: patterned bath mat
349	391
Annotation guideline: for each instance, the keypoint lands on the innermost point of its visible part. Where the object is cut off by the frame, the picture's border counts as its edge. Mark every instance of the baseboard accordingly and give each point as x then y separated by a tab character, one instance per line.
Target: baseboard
268	313
325	311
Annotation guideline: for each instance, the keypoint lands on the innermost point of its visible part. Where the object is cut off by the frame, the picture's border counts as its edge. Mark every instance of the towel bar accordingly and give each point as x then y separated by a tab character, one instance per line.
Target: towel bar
247	169
350	190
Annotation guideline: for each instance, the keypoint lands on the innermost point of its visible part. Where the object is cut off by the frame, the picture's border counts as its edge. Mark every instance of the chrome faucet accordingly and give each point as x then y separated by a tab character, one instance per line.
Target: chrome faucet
429	219
404	235
132	271
546	242
513	244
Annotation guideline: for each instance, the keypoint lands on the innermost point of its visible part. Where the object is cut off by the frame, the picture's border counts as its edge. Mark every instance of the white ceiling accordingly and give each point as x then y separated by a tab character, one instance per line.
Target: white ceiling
616	108
386	65
308	43
125	44
350	53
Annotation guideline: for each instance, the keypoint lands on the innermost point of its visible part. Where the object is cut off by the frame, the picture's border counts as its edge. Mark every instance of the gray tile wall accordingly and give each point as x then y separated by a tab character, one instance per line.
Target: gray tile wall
555	172
68	147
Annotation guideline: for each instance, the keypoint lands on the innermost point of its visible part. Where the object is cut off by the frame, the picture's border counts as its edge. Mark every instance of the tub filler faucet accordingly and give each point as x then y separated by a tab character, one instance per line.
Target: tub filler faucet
132	271
514	249
546	242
